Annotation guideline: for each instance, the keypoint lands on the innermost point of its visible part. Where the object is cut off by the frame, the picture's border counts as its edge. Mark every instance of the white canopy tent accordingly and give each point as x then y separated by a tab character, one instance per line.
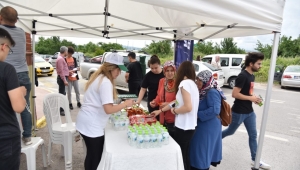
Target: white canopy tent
155	20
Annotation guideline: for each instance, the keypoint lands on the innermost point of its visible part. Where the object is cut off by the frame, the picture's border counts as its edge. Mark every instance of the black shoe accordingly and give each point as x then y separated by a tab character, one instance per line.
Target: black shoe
79	104
62	113
71	106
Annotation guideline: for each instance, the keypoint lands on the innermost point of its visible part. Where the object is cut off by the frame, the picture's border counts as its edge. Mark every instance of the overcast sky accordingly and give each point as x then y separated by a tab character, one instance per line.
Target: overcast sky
290	27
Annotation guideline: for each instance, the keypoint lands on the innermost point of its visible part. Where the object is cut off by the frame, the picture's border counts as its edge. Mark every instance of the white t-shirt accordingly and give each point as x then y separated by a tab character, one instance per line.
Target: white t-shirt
92	119
187	121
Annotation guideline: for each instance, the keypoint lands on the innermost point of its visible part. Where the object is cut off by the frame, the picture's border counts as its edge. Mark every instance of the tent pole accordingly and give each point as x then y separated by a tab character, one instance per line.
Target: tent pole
229	26
33	77
267	100
106	13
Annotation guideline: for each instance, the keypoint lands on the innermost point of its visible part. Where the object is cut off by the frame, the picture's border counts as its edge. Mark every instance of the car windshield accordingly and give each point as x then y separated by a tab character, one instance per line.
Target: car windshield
210	66
38	59
293	69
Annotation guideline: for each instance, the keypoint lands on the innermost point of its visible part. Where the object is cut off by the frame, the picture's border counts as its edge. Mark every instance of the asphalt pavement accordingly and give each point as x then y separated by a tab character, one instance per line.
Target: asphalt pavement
281	148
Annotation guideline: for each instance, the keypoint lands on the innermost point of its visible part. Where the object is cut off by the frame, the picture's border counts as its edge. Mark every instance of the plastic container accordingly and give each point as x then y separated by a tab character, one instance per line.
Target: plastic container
133	139
159	139
140	140
146	140
165	137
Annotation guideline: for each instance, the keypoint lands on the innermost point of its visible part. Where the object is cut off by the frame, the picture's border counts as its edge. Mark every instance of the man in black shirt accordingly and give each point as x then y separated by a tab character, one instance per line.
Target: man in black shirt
134	75
11	100
242	110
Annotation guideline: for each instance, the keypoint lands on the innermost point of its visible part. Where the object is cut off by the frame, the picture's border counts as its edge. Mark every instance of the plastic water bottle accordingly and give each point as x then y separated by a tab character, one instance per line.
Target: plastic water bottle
133	138
154	140
140	140
166	137
159	139
126	123
116	124
129	136
146	140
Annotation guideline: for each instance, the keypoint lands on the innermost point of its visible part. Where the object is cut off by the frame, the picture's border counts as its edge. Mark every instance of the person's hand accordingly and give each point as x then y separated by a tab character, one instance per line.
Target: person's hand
152	103
255	99
155	113
129	102
66	83
78	68
163	104
70	72
137	102
24	90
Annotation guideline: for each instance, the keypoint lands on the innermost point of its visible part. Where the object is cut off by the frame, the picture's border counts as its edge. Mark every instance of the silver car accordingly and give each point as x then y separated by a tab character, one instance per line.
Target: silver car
291	76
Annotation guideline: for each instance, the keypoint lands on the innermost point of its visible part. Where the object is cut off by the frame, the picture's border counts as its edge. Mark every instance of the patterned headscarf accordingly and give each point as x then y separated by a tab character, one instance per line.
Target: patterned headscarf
170	83
208	82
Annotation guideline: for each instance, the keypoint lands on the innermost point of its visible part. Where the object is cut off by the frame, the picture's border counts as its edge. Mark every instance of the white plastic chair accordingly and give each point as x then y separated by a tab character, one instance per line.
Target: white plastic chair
63	134
30	150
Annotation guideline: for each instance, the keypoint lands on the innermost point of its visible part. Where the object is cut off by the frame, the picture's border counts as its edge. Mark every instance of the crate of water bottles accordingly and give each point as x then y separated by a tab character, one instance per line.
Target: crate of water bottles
119	121
147	136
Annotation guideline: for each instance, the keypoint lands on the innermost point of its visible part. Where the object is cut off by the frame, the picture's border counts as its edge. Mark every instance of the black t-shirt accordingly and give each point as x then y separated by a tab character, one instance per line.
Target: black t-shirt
9	126
245	81
151	81
135	72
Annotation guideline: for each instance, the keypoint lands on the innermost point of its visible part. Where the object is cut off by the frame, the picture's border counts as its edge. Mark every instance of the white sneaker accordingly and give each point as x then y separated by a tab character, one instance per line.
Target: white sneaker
262	165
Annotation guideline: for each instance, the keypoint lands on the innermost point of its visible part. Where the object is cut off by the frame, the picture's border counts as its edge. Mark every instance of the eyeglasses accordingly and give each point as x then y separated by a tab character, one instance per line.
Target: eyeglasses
10	50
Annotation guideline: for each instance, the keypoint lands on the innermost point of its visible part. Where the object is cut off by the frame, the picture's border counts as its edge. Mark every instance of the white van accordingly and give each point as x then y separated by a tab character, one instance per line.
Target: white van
230	64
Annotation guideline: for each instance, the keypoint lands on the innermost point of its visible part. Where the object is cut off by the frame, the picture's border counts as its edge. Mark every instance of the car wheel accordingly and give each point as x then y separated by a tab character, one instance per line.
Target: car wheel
231	82
90	75
49	74
282	87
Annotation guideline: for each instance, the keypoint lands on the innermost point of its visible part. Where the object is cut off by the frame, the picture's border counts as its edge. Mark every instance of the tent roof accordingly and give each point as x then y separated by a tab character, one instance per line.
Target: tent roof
140	19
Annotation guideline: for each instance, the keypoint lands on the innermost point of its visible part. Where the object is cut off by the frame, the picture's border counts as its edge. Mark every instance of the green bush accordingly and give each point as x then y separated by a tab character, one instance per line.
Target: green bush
263	74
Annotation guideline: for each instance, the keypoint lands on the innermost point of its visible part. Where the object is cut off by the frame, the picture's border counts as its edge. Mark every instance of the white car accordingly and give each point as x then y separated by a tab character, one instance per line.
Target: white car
230	64
218	74
291	76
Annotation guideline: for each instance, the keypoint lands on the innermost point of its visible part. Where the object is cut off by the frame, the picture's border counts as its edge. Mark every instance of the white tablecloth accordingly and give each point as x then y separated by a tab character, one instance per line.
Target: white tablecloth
119	155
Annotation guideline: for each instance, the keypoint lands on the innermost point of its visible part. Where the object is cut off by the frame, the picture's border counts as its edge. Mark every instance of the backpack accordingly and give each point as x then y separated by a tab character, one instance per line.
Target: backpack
225	113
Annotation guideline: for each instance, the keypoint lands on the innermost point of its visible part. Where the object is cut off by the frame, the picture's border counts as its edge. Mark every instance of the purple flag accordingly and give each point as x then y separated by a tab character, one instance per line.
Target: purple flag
183	51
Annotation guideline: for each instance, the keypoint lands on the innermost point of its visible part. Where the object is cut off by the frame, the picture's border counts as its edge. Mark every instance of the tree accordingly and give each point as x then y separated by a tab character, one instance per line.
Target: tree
160	48
287	47
110	46
51	45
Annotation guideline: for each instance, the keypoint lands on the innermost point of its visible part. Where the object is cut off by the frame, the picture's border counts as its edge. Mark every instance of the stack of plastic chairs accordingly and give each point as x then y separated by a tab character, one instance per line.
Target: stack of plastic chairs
63	134
30	150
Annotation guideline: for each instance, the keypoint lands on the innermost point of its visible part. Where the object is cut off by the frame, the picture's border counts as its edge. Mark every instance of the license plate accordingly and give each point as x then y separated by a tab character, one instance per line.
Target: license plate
45	71
297	77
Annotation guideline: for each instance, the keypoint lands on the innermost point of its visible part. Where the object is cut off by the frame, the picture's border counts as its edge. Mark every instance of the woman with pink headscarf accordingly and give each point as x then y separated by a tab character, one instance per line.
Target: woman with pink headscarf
165	94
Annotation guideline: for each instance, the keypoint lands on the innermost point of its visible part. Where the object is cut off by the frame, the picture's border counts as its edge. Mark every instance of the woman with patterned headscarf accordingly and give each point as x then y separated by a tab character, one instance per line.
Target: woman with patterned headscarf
165	94
206	144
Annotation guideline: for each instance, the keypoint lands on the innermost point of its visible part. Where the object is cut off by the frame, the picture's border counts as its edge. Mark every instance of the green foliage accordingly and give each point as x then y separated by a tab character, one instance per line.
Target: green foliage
109	46
160	48
51	45
227	46
287	47
262	75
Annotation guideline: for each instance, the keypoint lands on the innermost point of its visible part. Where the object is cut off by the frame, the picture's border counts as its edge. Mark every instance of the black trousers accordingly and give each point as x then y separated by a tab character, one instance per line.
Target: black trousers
10	151
171	129
61	88
61	85
94	148
134	88
183	138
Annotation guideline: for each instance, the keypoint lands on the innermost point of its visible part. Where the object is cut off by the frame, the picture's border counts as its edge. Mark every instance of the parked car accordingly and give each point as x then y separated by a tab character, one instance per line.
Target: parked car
97	59
78	55
87	69
46	57
217	74
291	76
42	67
230	64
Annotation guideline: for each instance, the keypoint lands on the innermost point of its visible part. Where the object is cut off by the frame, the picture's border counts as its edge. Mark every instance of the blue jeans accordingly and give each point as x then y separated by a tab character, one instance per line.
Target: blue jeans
249	121
24	80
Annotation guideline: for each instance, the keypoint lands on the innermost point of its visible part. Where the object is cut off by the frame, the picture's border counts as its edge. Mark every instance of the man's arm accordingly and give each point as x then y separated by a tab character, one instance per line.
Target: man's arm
126	77
59	69
17	99
236	94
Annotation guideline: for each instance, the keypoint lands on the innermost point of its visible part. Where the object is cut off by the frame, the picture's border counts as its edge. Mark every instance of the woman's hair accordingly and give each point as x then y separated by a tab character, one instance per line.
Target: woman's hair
105	69
153	60
185	69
